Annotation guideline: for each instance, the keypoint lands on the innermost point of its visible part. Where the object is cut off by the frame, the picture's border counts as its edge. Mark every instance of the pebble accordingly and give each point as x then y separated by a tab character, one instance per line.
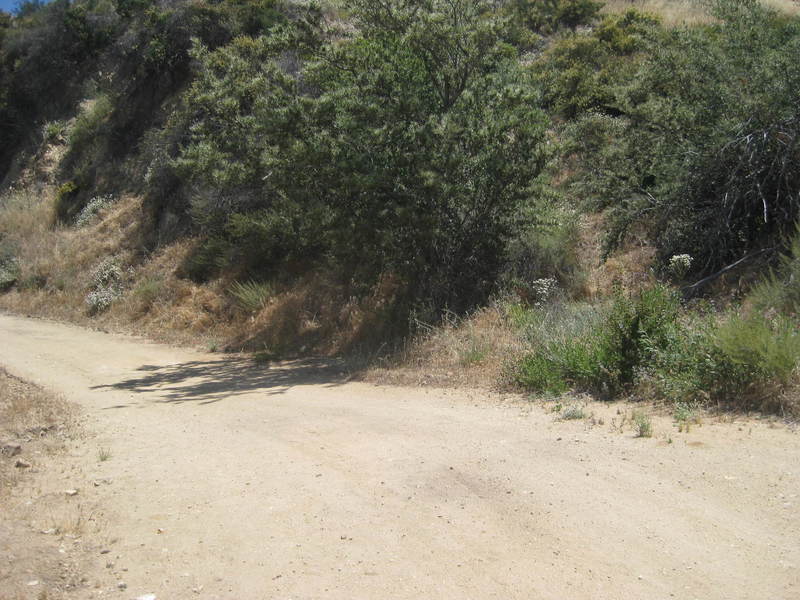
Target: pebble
11	449
146	597
122	585
71	492
21	464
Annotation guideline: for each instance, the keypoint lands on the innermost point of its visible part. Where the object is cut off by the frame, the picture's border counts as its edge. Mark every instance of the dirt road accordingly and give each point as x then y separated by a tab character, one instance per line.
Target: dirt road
218	478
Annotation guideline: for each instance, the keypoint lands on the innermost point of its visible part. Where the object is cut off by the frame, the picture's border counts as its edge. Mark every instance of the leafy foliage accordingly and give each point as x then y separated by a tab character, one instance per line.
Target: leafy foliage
548	16
45	53
9	266
407	148
689	131
605	359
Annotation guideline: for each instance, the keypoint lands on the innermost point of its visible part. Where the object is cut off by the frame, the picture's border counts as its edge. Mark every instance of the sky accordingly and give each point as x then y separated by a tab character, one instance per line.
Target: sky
8	5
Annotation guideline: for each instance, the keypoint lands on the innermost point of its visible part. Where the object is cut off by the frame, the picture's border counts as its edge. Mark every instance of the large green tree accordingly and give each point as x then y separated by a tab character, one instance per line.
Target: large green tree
406	147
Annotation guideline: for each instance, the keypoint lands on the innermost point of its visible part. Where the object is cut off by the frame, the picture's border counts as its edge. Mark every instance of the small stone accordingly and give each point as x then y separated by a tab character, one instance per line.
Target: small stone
34	582
159	530
11	449
71	492
122	585
105	551
21	464
146	597
50	531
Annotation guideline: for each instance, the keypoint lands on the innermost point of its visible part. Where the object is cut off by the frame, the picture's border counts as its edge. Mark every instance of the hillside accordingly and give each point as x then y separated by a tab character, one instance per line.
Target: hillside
554	195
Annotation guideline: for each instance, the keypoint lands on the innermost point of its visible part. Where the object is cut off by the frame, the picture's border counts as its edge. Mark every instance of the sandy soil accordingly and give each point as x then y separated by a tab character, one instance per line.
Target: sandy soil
225	479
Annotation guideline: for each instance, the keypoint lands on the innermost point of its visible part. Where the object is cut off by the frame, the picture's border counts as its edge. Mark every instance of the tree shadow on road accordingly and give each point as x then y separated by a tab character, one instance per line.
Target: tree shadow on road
207	381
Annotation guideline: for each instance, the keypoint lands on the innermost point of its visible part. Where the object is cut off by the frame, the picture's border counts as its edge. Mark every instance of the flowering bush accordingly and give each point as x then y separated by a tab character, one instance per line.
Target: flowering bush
679	265
100	300
543	290
94	206
106	281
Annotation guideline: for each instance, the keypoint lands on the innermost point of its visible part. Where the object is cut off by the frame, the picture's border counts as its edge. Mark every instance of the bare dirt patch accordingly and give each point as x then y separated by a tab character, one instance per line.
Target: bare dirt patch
40	531
230	479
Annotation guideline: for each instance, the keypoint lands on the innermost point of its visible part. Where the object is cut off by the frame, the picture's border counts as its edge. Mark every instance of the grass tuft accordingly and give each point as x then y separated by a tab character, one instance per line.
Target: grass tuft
642	425
251	296
573	412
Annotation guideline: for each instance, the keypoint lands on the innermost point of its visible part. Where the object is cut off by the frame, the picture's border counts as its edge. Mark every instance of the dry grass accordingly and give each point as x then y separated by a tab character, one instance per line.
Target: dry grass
629	268
28	412
686	12
38	422
672	12
312	315
56	261
789	7
27	409
473	351
317	313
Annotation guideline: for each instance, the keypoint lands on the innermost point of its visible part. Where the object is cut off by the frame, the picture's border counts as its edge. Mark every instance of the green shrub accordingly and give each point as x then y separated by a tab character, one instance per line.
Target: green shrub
545	248
754	360
583	73
636	329
55	132
733	361
9	274
46	56
65	201
684	134
679	372
607	357
87	136
208	258
780	290
548	16
565	346
9	266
